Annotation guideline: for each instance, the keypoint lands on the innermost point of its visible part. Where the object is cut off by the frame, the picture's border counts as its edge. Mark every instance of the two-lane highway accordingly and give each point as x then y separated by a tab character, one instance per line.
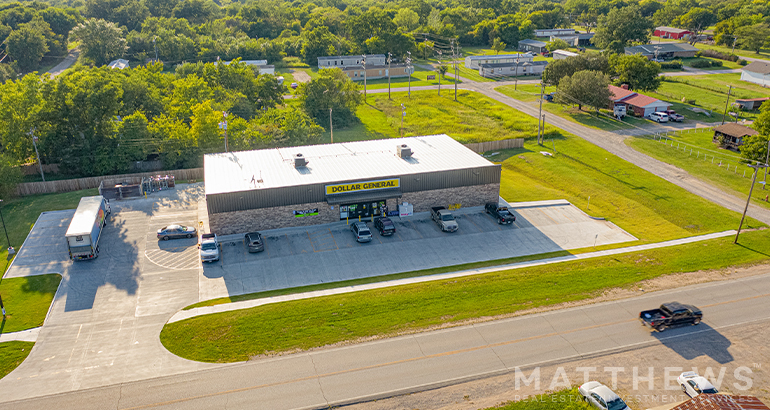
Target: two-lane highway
417	362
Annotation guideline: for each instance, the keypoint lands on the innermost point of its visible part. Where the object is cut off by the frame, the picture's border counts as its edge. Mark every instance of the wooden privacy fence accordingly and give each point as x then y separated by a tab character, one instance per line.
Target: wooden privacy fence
68	185
480	147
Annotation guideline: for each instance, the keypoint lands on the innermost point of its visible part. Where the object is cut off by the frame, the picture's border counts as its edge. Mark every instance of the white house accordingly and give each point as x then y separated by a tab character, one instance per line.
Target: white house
562	54
554	32
757	72
264	68
348	61
512	69
473	62
119	64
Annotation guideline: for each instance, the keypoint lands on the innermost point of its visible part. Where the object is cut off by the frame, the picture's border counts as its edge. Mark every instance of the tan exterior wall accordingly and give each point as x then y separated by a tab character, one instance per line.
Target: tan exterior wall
283	216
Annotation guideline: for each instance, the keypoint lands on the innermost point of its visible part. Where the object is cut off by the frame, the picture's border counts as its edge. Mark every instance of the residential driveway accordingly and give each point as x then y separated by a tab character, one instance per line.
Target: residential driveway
328	253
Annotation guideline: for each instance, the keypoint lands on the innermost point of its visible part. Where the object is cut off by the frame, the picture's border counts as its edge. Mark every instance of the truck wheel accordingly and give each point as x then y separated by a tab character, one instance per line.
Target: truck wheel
499	221
696	321
189	235
660	328
165	238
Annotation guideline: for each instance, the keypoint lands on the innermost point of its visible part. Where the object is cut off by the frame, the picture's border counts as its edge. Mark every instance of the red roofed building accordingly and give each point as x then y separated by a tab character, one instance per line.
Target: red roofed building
638	104
671	32
722	402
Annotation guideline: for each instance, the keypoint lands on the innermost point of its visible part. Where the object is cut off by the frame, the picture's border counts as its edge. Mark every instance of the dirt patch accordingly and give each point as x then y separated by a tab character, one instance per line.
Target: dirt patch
300	76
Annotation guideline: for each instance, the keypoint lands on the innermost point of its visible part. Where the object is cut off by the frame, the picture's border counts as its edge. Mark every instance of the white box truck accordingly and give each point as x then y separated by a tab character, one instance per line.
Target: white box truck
86	227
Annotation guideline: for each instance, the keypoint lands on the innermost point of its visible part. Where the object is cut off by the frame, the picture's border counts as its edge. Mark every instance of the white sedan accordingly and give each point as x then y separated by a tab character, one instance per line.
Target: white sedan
601	397
694	384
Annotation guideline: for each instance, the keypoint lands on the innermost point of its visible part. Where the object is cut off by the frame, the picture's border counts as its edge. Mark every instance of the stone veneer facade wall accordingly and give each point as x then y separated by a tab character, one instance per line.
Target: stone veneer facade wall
283	216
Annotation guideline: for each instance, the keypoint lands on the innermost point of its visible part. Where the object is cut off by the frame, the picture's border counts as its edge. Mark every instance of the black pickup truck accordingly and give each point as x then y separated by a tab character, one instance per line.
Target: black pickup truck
669	315
500	213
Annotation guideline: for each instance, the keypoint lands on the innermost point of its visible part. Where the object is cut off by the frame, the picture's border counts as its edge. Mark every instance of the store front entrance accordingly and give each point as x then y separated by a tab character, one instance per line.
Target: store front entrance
363	209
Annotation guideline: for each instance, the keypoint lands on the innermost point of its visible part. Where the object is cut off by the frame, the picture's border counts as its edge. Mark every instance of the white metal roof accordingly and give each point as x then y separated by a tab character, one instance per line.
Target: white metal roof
499	56
328	163
83	221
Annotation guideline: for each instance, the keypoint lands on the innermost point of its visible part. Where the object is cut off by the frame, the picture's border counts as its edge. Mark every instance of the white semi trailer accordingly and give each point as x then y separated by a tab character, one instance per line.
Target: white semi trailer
86	227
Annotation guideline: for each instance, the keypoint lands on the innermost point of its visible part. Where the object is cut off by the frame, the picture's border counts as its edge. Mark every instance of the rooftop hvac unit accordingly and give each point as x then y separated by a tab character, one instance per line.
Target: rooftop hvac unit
404	151
299	161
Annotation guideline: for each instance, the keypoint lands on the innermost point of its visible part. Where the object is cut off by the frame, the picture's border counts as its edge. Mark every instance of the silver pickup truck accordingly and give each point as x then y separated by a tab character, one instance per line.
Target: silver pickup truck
209	247
443	218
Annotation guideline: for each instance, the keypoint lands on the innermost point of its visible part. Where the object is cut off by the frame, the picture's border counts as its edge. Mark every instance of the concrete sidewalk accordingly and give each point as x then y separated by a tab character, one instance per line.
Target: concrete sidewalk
186	314
29	335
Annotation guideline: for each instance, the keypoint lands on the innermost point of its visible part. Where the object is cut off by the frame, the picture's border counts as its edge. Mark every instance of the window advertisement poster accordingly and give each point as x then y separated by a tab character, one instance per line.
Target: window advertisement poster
307	212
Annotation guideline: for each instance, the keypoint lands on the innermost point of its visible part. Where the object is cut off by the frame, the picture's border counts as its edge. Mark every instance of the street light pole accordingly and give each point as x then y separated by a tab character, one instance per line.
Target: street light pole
223	126
516	74
409	72
363	63
729	90
753	180
439	72
155	47
331	127
11	251
540	115
403	114
390	58
767	164
454	61
34	142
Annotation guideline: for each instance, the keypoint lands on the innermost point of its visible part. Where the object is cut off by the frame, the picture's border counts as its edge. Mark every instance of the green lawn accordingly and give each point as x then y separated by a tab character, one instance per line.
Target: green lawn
473	118
419	78
700	163
27	301
674	90
764	54
21	213
12	354
305	324
568	399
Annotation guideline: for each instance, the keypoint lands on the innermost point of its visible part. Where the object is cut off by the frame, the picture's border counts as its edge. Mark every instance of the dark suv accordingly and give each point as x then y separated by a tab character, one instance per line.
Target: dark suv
361	231
254	242
385	226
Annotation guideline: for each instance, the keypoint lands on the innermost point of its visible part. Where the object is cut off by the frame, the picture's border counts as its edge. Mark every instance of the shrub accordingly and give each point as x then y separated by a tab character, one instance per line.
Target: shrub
671	65
700	64
721	56
742	62
716	63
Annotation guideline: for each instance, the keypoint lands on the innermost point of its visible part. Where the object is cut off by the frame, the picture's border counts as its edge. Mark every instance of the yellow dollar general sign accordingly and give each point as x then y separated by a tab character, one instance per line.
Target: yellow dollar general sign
362	186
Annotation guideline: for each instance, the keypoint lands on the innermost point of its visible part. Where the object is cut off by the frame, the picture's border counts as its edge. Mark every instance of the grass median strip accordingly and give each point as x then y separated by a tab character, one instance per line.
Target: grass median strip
12	354
27	300
305	324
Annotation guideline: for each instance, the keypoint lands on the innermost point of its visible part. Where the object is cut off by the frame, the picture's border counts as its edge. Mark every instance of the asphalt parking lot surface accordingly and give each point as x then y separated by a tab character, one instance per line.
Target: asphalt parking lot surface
332	251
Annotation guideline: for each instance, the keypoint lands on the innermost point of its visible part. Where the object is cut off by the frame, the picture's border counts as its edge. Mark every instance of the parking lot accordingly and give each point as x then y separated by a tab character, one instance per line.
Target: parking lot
329	253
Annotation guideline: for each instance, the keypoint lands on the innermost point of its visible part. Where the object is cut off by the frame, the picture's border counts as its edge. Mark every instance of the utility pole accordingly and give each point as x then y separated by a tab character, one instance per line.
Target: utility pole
767	164
454	60
753	180
331	127
540	115
11	251
363	63
34	142
403	114
439	72
155	47
390	58
409	72
223	126
516	75
735	40
726	103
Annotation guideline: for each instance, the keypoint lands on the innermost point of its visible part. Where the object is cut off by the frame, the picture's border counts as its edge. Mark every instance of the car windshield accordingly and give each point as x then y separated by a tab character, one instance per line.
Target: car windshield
710	391
617	404
209	246
447	218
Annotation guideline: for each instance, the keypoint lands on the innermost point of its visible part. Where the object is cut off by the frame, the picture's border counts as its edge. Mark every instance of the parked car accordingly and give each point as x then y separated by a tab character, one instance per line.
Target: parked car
294	86
176	231
385	226
548	97
670	314
500	213
361	231
443	218
601	397
254	242
659	116
209	247
694	384
673	116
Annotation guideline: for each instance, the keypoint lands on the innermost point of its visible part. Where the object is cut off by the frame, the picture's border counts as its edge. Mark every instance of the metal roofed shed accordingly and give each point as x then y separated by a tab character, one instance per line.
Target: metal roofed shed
272	188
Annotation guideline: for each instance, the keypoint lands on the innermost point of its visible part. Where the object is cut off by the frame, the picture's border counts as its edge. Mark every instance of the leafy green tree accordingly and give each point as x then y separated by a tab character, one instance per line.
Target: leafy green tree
696	20
407	20
128	13
640	73
373	23
161	8
61	21
27	45
331	89
10	176
425	48
559	69
542	19
622	27
196	11
754	147
100	41
753	37
20	103
6	73
442	69
557	44
317	43
290	127
498	45
585	87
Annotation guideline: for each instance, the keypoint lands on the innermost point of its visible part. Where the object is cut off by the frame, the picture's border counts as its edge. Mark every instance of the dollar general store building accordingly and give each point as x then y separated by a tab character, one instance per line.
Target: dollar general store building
296	186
